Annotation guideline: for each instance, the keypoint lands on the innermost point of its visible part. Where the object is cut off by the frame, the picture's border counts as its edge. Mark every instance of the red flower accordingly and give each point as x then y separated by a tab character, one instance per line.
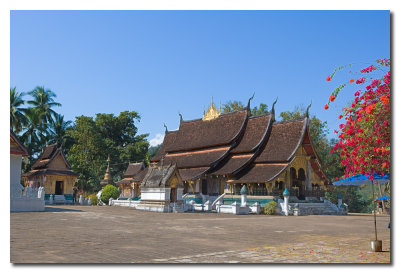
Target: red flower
351	80
326	107
332	98
328	79
340	117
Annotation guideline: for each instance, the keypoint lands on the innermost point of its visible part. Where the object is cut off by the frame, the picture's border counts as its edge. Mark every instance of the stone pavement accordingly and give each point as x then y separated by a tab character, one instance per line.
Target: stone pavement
82	234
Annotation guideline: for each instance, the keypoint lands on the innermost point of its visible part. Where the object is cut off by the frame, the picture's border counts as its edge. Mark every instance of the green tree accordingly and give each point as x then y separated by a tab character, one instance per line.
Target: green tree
108	192
232	106
42	103
34	135
87	154
153	150
57	131
95	139
17	113
354	196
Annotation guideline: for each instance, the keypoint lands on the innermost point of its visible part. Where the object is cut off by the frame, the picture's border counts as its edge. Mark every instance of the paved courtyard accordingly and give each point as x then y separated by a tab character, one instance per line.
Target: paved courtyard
82	234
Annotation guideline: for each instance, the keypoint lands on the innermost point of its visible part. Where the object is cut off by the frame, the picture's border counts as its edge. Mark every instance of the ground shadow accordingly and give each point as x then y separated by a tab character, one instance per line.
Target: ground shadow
54	209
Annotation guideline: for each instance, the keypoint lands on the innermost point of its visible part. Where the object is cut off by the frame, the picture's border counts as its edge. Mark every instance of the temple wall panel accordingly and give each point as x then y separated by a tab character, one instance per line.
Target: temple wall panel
58	164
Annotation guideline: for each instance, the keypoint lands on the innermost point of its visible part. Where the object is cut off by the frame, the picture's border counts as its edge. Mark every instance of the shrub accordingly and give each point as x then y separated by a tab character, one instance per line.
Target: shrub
270	208
108	192
94	199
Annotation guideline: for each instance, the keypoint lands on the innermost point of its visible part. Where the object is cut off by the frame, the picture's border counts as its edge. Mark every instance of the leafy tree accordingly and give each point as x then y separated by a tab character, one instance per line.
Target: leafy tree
57	131
108	192
95	139
261	110
232	106
87	154
353	196
153	150
17	113
42	103
34	135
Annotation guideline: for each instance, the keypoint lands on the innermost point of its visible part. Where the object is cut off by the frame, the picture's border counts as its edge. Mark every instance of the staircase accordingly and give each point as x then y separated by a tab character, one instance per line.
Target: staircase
316	209
59	199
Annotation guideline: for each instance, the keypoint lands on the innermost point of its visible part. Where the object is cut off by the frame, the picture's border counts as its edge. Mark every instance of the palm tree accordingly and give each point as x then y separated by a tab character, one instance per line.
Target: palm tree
34	135
17	117
58	129
42	103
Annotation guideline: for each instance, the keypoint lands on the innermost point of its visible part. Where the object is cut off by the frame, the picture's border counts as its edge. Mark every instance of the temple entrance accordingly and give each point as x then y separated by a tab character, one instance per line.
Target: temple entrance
172	196
59	187
204	186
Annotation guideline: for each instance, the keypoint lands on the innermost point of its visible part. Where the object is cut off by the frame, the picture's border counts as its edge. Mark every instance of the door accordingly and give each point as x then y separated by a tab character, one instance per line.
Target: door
59	187
204	187
172	196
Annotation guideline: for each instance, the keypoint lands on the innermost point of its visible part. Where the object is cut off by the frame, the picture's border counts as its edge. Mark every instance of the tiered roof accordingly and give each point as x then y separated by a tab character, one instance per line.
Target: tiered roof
247	149
199	145
47	163
134	173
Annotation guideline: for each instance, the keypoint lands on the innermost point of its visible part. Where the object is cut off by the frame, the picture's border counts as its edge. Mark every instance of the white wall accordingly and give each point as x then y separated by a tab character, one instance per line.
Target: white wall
15	169
155	193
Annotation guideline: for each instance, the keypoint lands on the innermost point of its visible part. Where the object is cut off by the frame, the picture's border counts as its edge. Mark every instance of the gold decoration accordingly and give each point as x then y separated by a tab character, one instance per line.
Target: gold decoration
212	112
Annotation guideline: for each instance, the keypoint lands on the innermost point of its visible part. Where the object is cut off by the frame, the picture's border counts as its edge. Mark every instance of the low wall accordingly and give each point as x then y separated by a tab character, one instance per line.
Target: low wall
26	204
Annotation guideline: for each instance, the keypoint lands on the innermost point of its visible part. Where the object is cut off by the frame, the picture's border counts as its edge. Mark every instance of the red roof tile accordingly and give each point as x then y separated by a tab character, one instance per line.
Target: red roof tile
283	141
198	134
255	129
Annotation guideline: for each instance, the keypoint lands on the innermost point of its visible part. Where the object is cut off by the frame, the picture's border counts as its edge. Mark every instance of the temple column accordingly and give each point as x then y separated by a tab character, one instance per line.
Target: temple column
308	174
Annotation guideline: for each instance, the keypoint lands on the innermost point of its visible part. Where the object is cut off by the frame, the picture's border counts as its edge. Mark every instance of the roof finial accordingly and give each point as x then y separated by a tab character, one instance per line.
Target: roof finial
308	108
248	103
180	116
166	129
273	109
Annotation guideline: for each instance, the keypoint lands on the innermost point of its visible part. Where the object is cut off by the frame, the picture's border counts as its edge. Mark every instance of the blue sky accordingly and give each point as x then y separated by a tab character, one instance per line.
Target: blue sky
159	63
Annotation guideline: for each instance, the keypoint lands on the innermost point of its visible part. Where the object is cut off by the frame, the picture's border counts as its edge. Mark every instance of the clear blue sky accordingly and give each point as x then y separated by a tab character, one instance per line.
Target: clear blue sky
159	63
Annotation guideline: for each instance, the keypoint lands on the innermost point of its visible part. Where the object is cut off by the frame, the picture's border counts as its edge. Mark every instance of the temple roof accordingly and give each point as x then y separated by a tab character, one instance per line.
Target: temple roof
132	175
133	169
169	138
49	172
235	144
283	142
254	132
199	158
261	173
232	163
158	176
47	156
16	146
197	134
192	173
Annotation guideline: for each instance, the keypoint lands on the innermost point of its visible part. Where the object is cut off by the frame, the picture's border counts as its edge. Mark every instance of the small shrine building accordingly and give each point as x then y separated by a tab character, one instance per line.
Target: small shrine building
53	172
162	189
130	184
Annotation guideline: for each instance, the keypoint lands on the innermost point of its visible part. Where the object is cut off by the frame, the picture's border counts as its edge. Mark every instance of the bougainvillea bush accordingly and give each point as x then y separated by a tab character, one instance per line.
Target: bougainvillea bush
364	135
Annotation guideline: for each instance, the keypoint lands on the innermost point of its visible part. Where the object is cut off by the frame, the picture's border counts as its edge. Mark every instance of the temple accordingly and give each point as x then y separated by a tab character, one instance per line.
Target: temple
219	153
130	184
53	172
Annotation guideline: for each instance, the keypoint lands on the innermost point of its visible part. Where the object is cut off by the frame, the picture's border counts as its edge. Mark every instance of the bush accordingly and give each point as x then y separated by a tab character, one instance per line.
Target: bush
108	192
94	199
270	208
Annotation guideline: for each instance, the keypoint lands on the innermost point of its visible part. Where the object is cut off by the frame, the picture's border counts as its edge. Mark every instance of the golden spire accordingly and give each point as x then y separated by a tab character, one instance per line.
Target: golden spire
212	112
107	175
